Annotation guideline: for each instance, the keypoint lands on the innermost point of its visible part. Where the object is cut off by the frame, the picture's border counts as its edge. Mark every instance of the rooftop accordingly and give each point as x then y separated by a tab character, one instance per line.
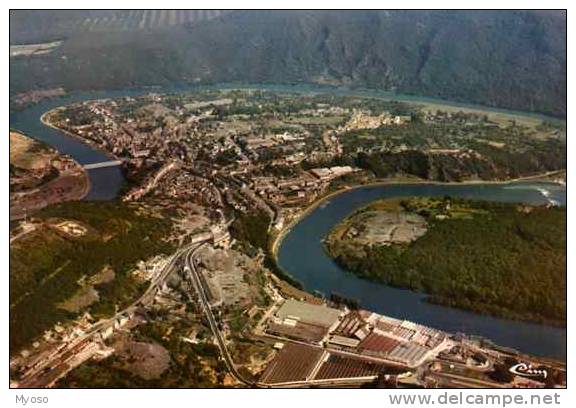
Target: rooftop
308	313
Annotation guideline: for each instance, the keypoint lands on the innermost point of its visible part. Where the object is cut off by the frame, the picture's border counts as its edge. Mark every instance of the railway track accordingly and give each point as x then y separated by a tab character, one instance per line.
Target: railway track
196	282
41	375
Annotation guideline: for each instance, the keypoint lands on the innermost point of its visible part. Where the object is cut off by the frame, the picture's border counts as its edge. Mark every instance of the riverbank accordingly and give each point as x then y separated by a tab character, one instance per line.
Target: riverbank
72	185
44	176
46	122
405	304
490	258
302	255
499	115
276	239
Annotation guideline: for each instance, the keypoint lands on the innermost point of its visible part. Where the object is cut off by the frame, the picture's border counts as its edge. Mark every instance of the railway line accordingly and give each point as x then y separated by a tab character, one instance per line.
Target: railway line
46	372
193	274
196	281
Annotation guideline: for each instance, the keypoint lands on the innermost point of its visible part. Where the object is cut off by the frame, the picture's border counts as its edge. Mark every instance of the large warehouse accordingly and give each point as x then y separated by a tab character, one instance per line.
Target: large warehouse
308	313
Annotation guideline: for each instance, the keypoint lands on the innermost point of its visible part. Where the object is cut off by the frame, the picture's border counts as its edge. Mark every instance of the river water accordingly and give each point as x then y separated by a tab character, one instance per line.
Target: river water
105	182
301	253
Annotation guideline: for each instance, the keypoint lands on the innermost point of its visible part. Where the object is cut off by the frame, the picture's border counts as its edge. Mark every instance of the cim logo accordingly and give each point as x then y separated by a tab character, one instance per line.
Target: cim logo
528	370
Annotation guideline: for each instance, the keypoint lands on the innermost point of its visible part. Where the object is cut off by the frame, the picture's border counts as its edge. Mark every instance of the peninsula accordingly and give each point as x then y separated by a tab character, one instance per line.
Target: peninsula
508	260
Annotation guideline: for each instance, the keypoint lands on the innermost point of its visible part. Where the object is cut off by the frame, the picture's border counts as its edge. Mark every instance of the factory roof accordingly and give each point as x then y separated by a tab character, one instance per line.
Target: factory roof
408	353
308	313
344	341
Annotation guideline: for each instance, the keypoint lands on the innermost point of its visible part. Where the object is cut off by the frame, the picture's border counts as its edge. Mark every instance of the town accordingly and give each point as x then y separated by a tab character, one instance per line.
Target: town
235	170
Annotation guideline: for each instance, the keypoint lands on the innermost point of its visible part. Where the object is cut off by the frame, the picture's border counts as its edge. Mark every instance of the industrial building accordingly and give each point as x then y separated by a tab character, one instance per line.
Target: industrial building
296	311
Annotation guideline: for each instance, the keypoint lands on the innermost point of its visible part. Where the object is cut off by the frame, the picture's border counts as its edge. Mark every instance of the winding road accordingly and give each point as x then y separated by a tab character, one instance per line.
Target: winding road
194	277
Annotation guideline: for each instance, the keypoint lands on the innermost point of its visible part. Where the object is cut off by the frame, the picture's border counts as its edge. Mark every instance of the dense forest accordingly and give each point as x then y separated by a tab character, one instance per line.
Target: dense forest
251	231
501	165
502	259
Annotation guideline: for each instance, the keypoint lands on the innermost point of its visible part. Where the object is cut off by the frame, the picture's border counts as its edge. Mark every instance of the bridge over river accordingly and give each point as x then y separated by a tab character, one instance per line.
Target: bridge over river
111	163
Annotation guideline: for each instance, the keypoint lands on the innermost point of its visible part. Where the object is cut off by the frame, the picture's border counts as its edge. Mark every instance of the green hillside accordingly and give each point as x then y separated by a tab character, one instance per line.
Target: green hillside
501	259
501	58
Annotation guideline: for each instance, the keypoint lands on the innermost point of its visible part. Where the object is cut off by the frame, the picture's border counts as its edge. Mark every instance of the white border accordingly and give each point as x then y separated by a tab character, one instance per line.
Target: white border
258	398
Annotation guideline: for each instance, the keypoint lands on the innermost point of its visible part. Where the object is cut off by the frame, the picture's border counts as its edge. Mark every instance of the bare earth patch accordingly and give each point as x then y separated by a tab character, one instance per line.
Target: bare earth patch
28	154
385	228
81	299
146	360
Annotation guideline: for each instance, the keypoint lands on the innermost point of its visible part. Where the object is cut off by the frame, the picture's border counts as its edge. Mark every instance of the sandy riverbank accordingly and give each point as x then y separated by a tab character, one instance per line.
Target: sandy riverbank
71	184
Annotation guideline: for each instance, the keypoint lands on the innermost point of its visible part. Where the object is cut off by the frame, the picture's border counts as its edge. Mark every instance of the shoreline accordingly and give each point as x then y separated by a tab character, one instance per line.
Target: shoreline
79	138
423	101
86	174
303	212
277	236
77	172
315	87
82	194
335	235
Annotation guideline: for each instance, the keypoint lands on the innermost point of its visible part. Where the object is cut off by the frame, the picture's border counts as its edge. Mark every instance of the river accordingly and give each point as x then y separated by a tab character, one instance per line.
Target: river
301	253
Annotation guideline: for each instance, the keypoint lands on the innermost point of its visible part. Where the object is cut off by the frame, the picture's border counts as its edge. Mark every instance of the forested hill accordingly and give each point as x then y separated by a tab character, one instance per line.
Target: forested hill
499	58
496	258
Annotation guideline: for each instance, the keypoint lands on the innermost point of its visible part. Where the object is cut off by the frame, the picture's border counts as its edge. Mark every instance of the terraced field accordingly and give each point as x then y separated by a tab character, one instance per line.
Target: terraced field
65	23
129	20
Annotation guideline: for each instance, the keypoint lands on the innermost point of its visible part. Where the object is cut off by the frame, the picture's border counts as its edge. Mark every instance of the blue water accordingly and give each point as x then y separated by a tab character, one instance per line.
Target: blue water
105	182
302	255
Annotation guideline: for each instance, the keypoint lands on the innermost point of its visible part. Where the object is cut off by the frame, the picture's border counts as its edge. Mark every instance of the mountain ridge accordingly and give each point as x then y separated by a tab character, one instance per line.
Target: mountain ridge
514	60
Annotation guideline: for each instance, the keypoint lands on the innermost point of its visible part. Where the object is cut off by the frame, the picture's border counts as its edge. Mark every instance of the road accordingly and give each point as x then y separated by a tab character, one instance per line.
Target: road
47	372
193	273
26	229
43	374
194	276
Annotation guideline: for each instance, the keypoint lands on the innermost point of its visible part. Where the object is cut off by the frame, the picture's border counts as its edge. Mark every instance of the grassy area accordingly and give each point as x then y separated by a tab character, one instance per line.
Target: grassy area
501	118
502	259
45	266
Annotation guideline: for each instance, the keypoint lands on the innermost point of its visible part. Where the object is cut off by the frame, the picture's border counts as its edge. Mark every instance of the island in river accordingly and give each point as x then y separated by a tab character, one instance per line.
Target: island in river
504	259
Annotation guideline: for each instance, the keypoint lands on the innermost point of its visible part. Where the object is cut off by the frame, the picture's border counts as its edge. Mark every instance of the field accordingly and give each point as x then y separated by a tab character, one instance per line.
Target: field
124	20
501	118
40	177
112	21
502	259
49	267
